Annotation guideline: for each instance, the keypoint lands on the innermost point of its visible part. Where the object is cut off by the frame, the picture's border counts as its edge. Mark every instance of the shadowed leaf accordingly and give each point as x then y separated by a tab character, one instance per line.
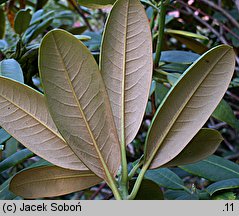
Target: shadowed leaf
96	3
50	181
205	143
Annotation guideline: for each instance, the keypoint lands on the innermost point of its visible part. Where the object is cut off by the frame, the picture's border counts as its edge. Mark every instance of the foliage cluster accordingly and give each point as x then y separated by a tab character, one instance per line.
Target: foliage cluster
121	118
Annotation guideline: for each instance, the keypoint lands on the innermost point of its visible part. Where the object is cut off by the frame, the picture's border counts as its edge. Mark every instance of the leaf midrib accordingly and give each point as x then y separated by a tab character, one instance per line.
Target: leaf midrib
224	167
123	78
106	169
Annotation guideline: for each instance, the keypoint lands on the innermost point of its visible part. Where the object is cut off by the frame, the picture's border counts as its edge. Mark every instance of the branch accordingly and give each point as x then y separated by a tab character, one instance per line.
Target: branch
224	12
81	13
237	4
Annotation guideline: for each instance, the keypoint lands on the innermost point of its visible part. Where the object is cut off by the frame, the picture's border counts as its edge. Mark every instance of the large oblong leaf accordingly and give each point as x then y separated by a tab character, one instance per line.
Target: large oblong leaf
126	65
24	115
205	143
50	181
78	102
189	104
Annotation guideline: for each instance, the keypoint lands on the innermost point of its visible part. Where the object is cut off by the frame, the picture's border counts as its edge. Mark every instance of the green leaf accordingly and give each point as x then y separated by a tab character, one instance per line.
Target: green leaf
188	105
160	93
78	102
11	147
15	159
83	37
126	65
50	181
38	17
95	42
186	34
165	178
223	185
205	143
191	43
213	168
175	67
173	78
11	68
3	45
180	195
4	136
148	190
77	30
22	21
225	196
182	57
224	113
96	3
39	23
3	23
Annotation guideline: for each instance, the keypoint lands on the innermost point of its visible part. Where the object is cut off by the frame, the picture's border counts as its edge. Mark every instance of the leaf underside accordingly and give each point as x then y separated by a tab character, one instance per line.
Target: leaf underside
78	102
205	143
189	104
96	3
126	65
51	181
24	115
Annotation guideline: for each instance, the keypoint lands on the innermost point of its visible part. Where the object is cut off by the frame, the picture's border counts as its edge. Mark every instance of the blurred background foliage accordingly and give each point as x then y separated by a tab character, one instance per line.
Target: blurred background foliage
191	28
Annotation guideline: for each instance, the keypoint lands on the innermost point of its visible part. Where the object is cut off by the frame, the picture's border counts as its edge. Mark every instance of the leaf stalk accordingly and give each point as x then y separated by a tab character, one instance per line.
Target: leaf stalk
161	22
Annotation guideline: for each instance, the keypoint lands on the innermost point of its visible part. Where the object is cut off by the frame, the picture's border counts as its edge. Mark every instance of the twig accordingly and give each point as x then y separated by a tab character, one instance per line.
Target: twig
224	12
153	104
81	13
229	145
220	24
161	21
232	95
80	194
237	4
220	5
97	191
217	126
231	157
190	11
108	197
